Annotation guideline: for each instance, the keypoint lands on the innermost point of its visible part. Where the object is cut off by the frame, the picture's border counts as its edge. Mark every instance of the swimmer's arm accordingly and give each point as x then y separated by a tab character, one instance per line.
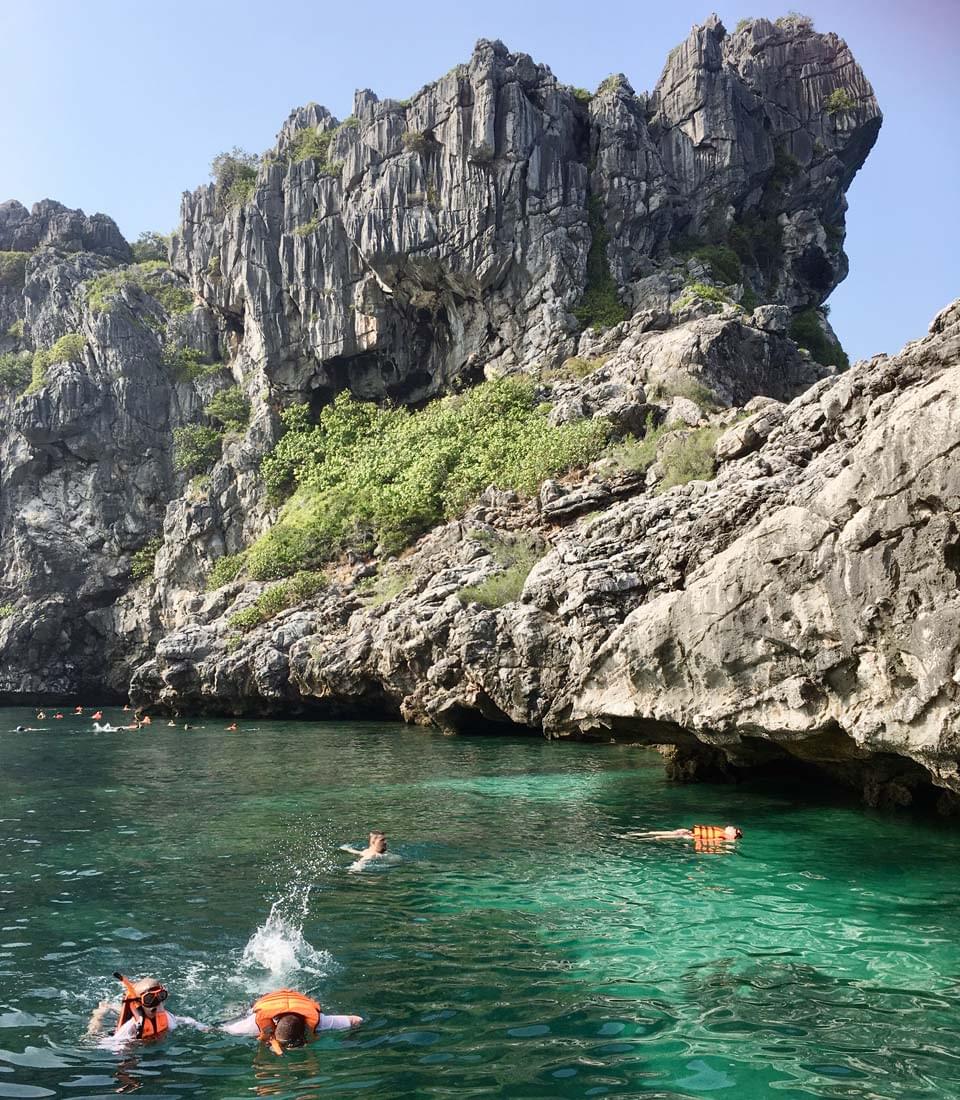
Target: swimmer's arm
665	834
338	1023
188	1021
246	1025
122	1035
103	1009
352	851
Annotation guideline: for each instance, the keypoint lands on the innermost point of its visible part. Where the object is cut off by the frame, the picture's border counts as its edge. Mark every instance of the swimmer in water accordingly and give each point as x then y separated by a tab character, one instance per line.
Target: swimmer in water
285	1019
29	729
376	846
706	838
231	727
140	1015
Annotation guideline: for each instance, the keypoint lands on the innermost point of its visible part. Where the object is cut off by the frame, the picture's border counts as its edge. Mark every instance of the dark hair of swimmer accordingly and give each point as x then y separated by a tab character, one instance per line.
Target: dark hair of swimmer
289	1030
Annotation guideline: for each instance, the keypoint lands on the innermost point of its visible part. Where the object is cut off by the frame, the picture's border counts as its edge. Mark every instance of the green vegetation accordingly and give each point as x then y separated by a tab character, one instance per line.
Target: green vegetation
15	369
308	227
141	564
516	558
301	587
582	95
187	364
612	83
694	391
723	262
350	122
366	475
415	142
16	329
196	448
806	331
231	407
692	291
310	144
574	368
795	19
639	454
600	305
6	610
688	456
235	176
151	246
68	349
151	277
839	101
380	589
13	269
742	24
213	267
225	570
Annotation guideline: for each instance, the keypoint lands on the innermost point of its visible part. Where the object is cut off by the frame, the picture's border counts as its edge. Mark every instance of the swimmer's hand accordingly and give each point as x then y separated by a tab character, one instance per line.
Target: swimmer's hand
352	851
102	1009
355	1021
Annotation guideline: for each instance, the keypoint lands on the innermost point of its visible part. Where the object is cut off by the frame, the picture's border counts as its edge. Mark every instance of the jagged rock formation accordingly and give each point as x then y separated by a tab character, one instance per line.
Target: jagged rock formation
800	605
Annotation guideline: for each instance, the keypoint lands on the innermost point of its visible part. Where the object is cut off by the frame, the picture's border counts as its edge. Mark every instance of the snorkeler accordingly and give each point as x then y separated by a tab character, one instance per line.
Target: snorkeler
140	1014
286	1019
706	838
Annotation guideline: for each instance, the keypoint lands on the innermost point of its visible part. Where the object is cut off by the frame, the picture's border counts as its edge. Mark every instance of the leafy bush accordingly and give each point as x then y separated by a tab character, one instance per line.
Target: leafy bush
225	570
378	590
151	246
6	610
298	589
351	122
15	369
839	101
367	475
68	349
575	368
187	364
195	448
722	261
231	407
415	142
742	24
582	95
806	331
142	562
699	290
600	305
688	457
308	227
151	277
516	558
639	454
16	329
213	266
235	176
610	83
310	144
13	269
795	20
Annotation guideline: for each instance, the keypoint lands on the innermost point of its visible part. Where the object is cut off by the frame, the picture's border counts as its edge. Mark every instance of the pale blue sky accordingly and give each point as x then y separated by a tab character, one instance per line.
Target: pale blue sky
120	106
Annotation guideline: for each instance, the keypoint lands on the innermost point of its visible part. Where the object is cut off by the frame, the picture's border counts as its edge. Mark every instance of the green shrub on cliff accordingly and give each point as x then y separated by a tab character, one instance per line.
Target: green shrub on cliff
151	246
298	589
6	610
839	101
516	557
142	562
805	330
688	457
196	448
104	291
600	305
225	570
366	475
15	369
231	407
68	349
234	175
13	266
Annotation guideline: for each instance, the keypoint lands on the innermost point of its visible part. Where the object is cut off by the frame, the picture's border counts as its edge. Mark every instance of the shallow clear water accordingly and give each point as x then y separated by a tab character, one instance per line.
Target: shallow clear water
523	947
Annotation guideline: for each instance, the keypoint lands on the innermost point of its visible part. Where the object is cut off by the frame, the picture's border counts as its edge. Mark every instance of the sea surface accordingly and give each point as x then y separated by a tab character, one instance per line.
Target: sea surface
523	946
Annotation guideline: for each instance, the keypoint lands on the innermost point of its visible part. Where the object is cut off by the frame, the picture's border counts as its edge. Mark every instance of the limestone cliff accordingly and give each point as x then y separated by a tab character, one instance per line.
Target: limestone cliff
678	245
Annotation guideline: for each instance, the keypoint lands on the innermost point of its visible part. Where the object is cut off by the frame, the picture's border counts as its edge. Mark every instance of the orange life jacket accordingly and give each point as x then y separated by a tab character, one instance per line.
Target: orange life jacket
147	1027
709	838
281	1002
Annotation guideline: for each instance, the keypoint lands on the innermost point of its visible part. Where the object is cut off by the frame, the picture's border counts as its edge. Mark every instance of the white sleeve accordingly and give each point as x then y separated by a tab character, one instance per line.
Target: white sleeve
122	1035
331	1023
246	1025
187	1021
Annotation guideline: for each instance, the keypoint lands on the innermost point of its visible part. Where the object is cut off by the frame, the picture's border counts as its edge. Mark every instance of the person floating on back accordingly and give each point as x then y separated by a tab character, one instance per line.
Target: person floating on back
706	838
285	1019
141	1014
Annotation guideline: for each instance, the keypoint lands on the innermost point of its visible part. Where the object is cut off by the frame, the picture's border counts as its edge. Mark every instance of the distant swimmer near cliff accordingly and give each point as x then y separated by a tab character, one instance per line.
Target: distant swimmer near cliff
286	1019
706	838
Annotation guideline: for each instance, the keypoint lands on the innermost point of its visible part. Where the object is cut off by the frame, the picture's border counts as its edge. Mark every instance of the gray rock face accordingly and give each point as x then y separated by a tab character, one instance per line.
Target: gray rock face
50	224
801	605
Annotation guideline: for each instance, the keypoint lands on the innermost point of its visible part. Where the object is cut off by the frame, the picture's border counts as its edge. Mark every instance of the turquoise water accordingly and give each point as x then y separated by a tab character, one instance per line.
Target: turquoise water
523	947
